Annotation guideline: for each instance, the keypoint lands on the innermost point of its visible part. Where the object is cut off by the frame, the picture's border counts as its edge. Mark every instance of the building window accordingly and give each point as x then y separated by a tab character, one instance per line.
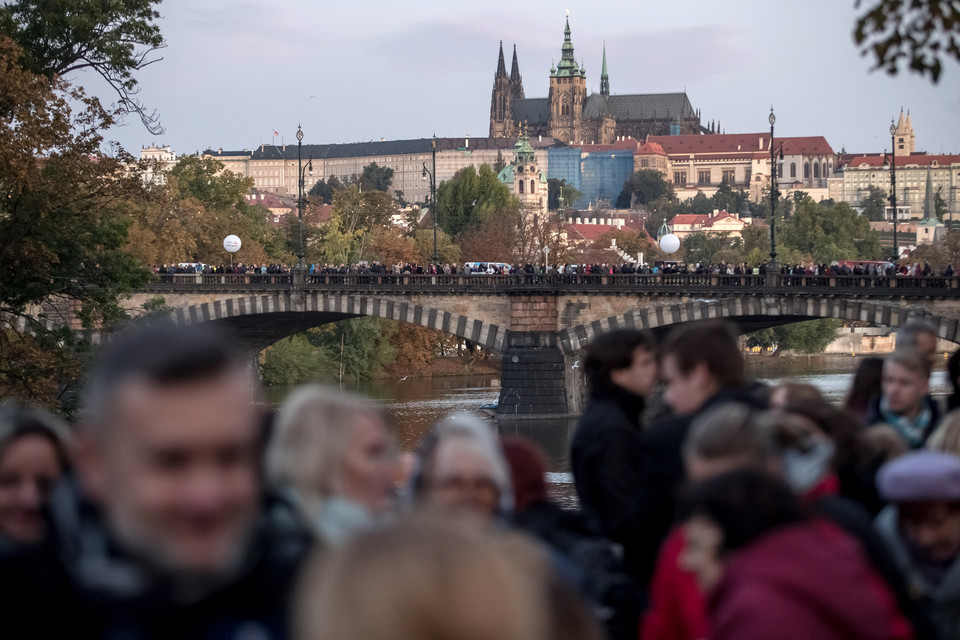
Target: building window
746	175
679	177
644	162
729	176
816	170
806	170
703	177
532	190
521	186
793	169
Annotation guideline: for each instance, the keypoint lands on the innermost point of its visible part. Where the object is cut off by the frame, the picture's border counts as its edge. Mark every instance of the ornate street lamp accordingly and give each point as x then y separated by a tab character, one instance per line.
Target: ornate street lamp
893	187
434	210
772	267
300	199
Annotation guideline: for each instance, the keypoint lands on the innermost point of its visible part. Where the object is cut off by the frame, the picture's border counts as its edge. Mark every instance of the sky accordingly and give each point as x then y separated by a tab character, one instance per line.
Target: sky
235	71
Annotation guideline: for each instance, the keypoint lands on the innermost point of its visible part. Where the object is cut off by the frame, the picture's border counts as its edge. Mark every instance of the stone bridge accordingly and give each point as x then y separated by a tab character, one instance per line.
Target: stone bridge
538	324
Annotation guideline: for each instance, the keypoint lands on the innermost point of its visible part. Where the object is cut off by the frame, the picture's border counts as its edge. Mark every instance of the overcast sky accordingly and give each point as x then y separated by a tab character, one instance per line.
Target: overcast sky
236	70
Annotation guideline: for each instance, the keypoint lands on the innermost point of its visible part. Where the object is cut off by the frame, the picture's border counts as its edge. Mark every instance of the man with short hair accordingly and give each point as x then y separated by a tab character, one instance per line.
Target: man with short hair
904	402
163	533
701	367
920	336
922	528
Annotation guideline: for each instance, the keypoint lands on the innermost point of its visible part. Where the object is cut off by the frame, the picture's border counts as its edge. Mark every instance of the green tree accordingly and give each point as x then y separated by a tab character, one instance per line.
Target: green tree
914	33
377	178
643	187
113	38
296	360
500	163
874	204
711	248
825	233
323	190
471	198
700	204
64	215
939	204
811	336
557	187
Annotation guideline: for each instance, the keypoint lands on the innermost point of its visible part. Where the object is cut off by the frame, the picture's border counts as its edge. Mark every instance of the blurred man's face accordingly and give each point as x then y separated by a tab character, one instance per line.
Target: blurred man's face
640	377
686	392
933	528
926	345
176	472
904	389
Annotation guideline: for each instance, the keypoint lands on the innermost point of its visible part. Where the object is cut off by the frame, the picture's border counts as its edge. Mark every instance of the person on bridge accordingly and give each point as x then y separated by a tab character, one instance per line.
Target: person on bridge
164	531
605	455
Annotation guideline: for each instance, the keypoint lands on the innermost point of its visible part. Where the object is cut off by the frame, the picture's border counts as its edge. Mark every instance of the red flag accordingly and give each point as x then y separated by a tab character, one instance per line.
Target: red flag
276	133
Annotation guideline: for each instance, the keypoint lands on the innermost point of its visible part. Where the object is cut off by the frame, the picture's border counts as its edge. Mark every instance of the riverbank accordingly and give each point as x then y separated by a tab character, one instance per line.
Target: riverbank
445	367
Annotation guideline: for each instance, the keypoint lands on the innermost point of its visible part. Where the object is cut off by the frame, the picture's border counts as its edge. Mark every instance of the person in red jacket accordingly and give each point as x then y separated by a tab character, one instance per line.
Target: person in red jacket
772	571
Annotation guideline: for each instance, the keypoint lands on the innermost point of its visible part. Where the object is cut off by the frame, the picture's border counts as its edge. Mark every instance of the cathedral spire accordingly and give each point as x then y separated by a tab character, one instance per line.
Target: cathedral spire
501	65
516	80
567	65
604	78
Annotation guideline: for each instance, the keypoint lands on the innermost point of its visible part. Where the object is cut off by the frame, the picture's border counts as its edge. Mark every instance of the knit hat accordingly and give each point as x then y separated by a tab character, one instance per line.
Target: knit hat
921	476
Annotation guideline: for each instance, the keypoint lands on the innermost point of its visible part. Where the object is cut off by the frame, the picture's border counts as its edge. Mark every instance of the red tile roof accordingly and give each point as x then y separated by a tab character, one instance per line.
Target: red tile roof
806	146
593	231
903	161
651	147
713	143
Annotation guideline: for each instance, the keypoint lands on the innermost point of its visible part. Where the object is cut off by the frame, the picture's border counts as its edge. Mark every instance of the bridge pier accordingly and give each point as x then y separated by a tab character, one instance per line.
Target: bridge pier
533	376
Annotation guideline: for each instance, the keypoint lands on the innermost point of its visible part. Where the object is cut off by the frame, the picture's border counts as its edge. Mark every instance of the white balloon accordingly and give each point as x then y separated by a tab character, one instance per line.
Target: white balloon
231	243
669	243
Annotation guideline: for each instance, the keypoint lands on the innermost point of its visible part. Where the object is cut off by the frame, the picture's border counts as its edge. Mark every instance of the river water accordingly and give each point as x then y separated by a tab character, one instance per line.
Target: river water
416	403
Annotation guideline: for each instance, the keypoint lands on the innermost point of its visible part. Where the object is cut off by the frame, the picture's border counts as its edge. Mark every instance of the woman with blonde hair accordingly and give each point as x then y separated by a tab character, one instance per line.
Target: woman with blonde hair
946	437
335	452
438	579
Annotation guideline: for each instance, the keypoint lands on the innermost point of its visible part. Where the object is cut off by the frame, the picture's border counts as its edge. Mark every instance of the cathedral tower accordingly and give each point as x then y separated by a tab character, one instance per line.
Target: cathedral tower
568	92
604	79
516	81
501	118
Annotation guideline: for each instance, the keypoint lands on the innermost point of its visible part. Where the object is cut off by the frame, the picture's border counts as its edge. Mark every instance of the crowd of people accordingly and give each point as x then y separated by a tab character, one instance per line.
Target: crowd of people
905	269
711	505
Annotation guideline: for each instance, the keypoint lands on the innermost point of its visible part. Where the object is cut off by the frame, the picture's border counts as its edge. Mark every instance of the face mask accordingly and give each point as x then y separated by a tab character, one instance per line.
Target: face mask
803	469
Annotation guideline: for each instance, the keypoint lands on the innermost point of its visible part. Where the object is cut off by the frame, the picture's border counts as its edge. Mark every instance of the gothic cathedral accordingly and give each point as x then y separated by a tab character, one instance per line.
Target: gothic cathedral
571	116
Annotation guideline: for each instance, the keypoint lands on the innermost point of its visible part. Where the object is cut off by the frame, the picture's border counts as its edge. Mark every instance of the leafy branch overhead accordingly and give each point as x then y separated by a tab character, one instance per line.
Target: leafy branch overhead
115	38
916	33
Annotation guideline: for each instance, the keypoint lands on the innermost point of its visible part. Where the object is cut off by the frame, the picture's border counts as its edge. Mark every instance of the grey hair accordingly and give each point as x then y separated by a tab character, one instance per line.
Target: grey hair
907	334
731	429
482	433
310	437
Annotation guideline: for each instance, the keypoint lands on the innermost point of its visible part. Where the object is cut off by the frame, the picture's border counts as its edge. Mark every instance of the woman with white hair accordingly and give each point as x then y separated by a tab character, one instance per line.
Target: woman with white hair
334	450
461	468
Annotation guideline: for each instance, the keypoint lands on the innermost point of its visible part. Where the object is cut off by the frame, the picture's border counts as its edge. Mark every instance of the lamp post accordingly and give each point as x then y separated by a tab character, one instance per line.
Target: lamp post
893	187
433	196
300	199
772	267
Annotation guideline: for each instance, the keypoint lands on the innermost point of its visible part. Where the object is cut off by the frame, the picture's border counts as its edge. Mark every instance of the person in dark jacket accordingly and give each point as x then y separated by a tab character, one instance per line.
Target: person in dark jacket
701	367
165	530
605	455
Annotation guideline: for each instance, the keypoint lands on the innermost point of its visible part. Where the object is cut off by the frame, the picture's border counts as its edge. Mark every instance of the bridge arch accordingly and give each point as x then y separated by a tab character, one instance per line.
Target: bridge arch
262	319
751	313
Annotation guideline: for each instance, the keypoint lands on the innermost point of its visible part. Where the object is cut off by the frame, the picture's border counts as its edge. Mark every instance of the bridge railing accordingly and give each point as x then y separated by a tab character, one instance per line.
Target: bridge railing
677	282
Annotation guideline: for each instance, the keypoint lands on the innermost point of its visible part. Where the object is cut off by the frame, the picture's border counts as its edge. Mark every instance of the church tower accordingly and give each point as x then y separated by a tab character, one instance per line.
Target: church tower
604	78
905	141
525	179
568	92
501	118
516	81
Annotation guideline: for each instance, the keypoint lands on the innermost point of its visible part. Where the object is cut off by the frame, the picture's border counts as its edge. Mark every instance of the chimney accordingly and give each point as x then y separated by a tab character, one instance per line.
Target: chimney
466	142
760	145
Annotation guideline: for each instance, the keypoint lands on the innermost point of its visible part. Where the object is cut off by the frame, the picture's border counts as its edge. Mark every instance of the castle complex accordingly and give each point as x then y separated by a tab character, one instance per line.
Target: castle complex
571	116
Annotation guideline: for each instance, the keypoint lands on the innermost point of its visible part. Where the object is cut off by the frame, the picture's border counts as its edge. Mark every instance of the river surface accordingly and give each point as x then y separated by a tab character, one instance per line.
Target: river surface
416	403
